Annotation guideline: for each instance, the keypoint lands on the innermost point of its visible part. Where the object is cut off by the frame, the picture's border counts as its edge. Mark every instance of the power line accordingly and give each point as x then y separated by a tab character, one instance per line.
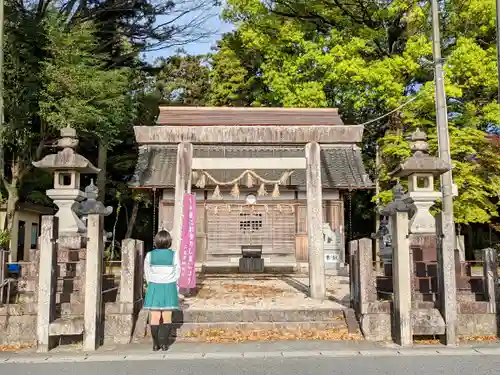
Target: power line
391	112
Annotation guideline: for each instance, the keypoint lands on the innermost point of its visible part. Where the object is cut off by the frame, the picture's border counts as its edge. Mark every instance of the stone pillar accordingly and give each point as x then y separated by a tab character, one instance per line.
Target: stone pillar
401	276
131	271
367	290
182	182
490	272
447	285
317	284
127	273
47	281
354	274
93	283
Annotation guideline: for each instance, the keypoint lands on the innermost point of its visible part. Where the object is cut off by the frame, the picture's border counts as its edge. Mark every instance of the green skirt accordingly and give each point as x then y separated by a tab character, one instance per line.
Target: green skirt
161	297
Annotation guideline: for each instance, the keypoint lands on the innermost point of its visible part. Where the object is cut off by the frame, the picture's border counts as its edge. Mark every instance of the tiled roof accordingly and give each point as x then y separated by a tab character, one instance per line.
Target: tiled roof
241	116
342	166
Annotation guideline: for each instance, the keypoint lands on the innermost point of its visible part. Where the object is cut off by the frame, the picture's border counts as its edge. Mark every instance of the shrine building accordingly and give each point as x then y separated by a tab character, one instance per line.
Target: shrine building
255	172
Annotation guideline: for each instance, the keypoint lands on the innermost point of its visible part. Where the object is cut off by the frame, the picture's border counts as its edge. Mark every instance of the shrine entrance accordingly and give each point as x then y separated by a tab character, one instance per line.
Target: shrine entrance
305	157
232	228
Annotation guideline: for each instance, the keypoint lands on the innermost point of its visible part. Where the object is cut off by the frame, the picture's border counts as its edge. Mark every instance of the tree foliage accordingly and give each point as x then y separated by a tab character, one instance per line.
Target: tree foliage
79	90
370	58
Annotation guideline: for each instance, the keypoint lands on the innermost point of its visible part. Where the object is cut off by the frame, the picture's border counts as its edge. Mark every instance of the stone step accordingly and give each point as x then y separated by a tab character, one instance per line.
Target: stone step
427	322
70	308
67	326
29	270
183	329
255	315
69	269
27	296
76	297
469	296
462	295
16	309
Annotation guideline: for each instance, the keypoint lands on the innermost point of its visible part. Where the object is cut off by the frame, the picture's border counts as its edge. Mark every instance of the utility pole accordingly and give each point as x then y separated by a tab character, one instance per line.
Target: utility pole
377	209
447	248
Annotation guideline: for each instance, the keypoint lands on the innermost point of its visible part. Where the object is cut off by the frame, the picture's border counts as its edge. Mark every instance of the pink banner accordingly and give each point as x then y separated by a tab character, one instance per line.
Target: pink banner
188	243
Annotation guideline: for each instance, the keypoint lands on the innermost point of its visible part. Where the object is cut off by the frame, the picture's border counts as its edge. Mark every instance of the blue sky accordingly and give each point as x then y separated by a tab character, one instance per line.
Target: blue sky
215	25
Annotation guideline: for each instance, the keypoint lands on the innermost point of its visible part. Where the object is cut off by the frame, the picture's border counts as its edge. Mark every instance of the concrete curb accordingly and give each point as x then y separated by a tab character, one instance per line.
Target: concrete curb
117	357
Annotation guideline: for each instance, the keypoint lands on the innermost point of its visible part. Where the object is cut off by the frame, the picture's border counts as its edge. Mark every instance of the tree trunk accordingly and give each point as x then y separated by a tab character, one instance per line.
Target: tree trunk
12	200
118	209
102	160
131	221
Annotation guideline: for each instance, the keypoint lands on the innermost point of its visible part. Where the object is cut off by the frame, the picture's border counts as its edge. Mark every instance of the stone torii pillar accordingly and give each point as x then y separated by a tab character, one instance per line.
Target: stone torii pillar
317	283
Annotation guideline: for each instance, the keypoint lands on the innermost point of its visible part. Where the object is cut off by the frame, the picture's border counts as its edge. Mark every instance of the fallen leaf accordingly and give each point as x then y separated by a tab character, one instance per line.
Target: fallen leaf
478	338
222	335
15	348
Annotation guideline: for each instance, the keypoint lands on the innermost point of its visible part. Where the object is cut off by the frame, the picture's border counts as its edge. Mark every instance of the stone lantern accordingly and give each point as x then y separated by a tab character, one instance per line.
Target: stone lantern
67	166
421	169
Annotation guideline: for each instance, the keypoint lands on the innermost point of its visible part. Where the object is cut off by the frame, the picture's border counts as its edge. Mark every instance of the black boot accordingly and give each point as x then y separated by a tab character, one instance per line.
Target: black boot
165	336
155	335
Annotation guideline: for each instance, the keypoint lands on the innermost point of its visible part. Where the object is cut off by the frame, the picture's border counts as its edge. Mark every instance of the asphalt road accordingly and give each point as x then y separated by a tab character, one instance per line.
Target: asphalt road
403	365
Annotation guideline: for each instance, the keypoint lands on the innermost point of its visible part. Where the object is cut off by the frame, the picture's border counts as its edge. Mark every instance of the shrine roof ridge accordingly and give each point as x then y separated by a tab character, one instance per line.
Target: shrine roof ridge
248	116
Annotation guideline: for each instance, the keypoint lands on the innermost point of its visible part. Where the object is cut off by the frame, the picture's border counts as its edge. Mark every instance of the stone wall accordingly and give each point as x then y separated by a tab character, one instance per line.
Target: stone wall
121	296
18	309
476	306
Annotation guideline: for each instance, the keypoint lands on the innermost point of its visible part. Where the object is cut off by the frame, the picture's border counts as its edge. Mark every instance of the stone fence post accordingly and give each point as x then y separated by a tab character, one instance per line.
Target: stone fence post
47	281
490	272
354	277
367	289
93	283
131	271
401	275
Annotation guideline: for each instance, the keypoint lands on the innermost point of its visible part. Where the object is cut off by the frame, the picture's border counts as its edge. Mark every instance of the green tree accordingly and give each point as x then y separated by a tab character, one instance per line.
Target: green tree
54	79
78	88
24	136
370	58
182	80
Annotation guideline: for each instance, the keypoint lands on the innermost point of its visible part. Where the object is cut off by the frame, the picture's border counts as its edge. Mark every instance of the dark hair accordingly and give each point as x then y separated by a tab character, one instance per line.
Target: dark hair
163	240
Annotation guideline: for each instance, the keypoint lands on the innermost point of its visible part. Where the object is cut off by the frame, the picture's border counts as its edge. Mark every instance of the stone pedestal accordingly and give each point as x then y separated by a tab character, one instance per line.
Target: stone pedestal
67	201
317	284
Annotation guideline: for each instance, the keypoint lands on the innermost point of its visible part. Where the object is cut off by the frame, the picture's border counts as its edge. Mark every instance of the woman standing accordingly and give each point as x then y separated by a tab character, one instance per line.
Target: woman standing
162	269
